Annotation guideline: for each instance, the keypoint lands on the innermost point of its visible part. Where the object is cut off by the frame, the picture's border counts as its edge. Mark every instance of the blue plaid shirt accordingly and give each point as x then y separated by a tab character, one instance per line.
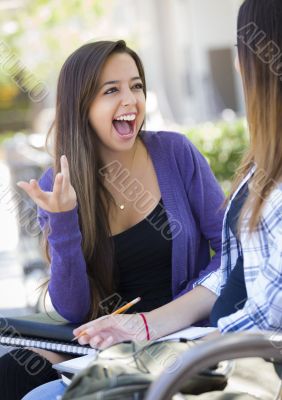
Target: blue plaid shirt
262	255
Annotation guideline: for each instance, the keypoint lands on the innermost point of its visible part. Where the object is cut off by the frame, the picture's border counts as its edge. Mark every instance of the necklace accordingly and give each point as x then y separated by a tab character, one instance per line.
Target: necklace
121	206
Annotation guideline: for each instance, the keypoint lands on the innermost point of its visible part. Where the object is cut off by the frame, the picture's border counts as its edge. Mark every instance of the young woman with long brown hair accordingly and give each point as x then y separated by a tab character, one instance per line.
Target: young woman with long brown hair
245	293
125	212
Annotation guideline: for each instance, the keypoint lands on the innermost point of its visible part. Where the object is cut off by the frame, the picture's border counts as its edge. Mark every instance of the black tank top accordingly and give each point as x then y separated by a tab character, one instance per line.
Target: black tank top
234	294
143	261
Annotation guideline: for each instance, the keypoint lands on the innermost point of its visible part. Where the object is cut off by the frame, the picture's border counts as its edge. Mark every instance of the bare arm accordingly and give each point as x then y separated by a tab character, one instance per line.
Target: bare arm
192	307
180	313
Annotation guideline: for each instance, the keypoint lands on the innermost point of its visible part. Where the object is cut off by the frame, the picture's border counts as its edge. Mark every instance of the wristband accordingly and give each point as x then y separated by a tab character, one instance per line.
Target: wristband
146	326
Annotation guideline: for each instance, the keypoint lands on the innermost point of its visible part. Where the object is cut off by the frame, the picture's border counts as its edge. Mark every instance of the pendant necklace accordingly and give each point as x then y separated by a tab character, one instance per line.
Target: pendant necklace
122	206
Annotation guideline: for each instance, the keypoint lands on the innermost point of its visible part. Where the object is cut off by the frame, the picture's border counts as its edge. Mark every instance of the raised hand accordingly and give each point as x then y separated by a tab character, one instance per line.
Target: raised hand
63	198
105	331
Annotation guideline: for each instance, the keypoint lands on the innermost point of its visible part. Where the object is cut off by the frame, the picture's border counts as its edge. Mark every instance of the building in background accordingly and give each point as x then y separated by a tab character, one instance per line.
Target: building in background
188	50
187	47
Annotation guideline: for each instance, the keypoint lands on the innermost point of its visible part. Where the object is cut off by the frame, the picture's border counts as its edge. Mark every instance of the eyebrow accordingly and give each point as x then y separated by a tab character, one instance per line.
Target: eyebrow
114	82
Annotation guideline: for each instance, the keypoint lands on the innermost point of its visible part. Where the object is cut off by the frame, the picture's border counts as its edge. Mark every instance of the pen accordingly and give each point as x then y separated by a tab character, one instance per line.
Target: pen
118	311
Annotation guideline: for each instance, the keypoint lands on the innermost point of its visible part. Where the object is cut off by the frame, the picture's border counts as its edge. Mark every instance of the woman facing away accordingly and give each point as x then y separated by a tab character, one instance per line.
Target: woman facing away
125	212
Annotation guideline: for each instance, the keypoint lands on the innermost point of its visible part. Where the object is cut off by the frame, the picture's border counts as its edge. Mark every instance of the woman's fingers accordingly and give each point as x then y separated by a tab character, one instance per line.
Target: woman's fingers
95	324
108	342
84	339
95	341
121	323
66	174
101	342
104	332
58	183
32	189
41	198
24	185
67	190
65	169
111	329
61	198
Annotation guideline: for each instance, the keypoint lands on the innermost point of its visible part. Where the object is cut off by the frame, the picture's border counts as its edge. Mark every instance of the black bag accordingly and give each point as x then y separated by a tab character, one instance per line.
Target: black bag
125	371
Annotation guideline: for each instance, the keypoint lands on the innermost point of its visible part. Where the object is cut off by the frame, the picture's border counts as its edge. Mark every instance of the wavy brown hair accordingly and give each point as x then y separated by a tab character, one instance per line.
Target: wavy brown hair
75	137
259	28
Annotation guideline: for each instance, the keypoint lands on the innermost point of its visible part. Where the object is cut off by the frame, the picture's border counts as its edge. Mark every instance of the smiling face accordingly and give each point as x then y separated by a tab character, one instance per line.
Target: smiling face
118	110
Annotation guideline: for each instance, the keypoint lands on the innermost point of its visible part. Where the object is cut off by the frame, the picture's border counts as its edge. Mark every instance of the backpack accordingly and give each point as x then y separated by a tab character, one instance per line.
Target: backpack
125	371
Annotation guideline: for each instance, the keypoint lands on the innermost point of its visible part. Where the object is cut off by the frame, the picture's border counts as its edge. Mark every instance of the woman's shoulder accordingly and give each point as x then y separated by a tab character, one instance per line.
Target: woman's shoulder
168	139
164	136
274	201
272	214
47	179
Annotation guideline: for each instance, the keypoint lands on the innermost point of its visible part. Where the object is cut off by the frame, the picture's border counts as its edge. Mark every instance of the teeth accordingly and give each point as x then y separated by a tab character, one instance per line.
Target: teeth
126	118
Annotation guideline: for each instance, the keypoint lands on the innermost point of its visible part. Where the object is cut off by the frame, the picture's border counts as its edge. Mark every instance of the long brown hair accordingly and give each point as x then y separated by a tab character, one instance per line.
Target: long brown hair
75	137
259	29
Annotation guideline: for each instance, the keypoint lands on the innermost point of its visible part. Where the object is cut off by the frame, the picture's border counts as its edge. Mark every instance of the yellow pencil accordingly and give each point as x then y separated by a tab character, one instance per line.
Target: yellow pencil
118	311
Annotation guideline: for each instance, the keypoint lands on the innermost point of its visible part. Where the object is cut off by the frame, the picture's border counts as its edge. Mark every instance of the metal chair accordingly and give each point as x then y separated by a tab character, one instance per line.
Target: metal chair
231	346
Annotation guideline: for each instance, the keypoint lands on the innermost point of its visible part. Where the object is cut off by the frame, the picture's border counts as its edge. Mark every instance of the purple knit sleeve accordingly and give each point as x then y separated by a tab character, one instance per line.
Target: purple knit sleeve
206	200
68	287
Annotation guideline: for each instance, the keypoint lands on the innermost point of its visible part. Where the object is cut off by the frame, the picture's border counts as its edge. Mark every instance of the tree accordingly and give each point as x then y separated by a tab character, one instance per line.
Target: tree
42	33
36	38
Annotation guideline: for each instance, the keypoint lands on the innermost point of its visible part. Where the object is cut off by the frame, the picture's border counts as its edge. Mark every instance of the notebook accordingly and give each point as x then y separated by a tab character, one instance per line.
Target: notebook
46	331
77	364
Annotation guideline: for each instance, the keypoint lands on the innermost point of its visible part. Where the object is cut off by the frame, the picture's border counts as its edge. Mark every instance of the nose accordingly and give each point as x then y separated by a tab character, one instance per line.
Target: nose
128	97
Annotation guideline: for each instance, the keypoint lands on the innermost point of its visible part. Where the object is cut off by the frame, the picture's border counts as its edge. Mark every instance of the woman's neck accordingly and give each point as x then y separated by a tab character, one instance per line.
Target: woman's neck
125	158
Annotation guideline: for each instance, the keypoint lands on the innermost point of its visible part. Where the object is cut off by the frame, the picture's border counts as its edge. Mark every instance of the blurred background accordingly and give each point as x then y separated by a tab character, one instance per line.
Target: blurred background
187	47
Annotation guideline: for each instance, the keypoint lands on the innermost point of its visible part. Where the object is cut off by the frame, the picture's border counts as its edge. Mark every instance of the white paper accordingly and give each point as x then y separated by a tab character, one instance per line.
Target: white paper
76	364
193	332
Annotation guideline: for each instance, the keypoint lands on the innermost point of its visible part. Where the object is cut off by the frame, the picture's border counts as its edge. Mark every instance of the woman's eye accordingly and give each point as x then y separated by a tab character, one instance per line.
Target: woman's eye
111	90
138	86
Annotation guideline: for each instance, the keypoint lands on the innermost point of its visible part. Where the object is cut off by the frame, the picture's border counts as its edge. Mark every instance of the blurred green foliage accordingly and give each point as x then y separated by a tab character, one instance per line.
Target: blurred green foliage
6	135
42	33
36	36
223	144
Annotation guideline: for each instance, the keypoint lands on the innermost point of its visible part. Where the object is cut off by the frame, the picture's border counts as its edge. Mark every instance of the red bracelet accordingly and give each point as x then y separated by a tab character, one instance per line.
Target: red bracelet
146	326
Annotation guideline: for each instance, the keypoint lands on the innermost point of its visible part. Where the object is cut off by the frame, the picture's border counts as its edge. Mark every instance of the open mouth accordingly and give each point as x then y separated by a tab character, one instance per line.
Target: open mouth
124	127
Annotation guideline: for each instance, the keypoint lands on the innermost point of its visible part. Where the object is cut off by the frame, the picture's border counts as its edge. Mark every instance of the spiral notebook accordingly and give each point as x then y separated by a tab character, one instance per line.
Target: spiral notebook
44	331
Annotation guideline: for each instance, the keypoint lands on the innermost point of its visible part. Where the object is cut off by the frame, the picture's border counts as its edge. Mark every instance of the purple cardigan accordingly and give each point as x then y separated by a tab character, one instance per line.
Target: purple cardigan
192	199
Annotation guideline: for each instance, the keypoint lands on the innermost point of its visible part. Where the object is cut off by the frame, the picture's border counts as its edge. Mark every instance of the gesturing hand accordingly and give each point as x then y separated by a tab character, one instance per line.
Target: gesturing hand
63	197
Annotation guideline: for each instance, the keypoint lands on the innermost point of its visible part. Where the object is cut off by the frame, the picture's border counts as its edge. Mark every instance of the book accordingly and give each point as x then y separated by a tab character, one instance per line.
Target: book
45	331
66	377
77	364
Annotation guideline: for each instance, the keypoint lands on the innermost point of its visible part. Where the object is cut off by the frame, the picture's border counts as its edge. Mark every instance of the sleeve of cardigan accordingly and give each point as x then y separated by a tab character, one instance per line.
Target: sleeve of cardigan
206	199
69	286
